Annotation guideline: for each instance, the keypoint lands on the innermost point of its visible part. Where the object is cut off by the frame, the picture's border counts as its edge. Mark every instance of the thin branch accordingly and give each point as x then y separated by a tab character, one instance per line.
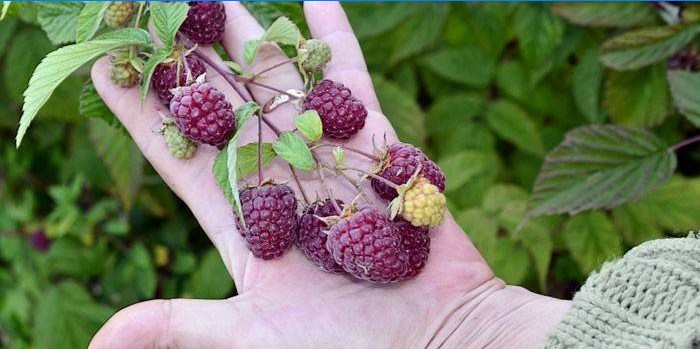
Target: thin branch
372	175
275	66
684	143
227	75
354	150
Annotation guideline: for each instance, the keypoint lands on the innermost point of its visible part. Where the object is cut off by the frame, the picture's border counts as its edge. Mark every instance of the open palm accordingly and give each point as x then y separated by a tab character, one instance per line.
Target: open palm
288	302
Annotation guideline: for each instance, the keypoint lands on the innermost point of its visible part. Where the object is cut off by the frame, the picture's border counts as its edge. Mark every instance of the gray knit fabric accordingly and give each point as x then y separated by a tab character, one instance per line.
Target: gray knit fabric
648	299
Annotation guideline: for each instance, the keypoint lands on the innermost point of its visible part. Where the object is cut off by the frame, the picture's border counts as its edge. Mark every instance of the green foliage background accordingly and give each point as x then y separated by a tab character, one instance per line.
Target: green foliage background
486	89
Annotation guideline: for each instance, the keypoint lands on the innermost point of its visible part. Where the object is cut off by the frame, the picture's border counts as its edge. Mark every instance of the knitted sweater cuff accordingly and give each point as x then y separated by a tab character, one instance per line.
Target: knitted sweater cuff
650	298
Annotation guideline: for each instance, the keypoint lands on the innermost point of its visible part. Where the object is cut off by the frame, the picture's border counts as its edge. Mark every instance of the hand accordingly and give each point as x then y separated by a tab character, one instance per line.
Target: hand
289	303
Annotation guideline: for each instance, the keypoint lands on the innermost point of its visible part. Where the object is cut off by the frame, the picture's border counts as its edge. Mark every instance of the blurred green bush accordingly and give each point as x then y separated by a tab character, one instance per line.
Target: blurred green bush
87	227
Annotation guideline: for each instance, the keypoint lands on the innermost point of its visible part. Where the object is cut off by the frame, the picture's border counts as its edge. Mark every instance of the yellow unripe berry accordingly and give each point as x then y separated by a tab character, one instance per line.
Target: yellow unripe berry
424	204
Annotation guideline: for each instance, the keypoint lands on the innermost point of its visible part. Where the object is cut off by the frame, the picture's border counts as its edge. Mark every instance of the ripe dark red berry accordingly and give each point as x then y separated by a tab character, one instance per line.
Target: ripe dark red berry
368	246
342	115
400	163
270	215
312	235
203	114
416	242
168	76
205	22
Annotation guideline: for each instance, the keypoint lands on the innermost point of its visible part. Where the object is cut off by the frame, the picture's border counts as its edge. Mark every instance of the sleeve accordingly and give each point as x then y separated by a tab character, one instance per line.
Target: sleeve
650	298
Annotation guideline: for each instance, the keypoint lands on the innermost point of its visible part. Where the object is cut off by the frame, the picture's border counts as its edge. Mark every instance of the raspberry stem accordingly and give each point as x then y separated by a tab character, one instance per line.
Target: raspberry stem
325	186
260	170
245	95
354	150
137	20
684	143
290	60
372	175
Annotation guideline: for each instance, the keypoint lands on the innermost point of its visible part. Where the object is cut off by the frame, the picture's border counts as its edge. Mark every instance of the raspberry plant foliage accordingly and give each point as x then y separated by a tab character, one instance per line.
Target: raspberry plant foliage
622	162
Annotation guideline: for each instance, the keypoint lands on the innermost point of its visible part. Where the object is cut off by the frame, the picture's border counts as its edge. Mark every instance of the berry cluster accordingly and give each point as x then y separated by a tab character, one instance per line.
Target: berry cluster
376	244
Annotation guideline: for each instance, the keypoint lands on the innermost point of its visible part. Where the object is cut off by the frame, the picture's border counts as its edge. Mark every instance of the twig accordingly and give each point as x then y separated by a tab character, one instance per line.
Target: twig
256	75
372	175
260	173
354	150
684	143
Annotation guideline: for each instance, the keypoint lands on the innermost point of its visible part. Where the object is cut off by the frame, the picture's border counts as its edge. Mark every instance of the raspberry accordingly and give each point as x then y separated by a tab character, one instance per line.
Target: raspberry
312	235
122	72
368	246
166	77
313	55
119	13
205	22
342	114
203	114
400	163
423	204
270	214
416	242
178	145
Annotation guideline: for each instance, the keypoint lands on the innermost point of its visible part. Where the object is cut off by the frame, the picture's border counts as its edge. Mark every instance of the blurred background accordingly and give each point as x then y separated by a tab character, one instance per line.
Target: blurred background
87	227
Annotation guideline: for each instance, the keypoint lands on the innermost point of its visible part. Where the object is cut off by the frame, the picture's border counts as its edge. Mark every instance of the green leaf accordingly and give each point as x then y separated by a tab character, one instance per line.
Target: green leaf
372	19
642	47
250	50
292	148
419	32
167	19
638	98
90	19
59	64
282	31
592	240
267	12
5	7
510	261
402	110
600	166
244	112
309	124
122	158
539	31
588	78
66	317
537	237
220	171
248	158
673	208
606	14
507	203
92	105
59	19
150	66
513	124
482	230
460	168
210	280
684	89
468	66
132	278
21	59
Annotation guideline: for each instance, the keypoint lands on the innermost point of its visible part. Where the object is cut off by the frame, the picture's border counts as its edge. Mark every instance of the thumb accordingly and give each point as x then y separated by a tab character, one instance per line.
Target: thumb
173	323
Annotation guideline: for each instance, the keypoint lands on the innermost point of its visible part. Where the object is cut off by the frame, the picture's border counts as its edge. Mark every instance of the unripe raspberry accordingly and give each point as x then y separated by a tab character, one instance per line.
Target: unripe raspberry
313	55
178	145
205	22
203	114
119	13
423	204
122	72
